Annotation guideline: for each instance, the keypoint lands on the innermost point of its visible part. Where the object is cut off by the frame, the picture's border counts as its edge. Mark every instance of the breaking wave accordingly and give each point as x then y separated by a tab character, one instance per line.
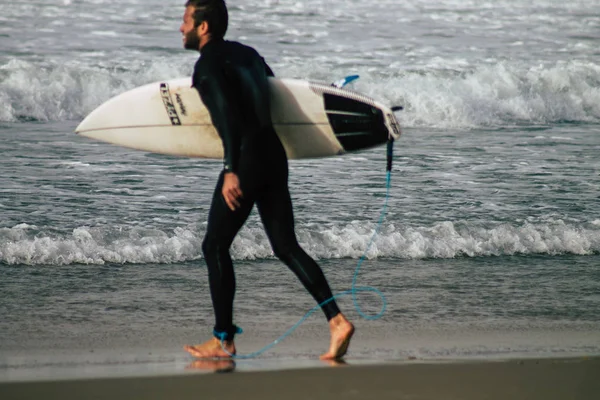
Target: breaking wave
475	96
27	245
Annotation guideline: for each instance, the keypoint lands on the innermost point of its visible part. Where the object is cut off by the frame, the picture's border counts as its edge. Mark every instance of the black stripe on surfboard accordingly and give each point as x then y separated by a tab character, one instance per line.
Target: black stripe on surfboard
338	112
347	134
356	124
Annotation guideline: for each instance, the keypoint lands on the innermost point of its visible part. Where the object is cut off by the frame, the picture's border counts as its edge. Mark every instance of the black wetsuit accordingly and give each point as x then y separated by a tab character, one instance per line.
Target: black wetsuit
232	80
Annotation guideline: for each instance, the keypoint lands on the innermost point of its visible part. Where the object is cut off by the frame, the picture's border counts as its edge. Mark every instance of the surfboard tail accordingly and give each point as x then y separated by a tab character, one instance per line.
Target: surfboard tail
392	124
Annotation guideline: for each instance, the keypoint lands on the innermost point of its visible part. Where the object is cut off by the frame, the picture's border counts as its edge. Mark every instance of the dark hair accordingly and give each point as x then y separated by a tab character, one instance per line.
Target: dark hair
214	12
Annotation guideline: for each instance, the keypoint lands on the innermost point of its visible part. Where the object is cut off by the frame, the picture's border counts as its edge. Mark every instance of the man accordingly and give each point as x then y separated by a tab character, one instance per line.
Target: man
232	80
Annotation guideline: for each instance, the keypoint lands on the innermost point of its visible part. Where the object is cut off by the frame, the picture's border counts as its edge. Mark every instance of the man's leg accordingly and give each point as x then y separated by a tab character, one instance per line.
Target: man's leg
275	208
223	226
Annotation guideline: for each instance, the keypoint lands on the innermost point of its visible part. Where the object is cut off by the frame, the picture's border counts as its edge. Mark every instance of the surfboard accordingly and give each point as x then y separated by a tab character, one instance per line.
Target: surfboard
311	119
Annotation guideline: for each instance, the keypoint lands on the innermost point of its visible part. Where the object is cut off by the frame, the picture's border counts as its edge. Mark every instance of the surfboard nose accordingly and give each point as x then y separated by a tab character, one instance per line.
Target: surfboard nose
83	126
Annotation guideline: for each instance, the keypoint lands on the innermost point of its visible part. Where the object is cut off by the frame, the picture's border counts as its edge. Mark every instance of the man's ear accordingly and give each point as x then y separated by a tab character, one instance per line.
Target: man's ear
202	28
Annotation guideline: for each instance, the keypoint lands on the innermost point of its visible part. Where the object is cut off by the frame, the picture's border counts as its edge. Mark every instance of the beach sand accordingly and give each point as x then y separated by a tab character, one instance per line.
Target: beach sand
548	378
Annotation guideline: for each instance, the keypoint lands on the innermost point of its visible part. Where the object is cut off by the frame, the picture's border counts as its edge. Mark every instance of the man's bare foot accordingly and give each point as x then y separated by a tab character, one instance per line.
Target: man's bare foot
211	349
341	332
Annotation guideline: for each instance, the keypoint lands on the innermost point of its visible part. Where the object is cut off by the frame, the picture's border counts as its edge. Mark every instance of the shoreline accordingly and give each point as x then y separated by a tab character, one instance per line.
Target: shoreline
515	378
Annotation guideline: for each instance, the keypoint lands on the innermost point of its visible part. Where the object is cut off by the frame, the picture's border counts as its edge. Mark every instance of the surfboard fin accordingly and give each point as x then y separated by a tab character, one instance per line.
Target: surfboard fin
343	82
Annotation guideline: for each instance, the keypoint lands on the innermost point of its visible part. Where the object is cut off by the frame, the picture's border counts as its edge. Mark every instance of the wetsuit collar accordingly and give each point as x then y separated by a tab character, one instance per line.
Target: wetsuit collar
210	46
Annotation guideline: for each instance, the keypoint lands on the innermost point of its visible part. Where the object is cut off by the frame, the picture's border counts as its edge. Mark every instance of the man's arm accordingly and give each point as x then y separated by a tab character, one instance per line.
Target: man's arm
215	93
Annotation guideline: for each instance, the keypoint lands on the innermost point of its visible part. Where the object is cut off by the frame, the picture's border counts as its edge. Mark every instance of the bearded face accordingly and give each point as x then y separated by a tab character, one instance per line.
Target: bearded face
191	40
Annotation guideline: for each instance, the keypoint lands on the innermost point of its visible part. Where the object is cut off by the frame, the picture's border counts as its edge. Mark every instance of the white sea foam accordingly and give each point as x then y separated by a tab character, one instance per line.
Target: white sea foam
69	91
23	244
492	95
105	33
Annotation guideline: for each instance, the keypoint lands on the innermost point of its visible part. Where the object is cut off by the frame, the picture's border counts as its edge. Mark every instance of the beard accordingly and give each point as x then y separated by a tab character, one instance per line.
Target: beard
192	40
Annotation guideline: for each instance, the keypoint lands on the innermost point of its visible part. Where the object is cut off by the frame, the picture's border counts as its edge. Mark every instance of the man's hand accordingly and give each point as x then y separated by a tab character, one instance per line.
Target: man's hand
231	190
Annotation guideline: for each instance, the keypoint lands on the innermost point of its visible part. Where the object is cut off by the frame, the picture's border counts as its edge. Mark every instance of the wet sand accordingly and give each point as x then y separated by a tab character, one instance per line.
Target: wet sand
557	378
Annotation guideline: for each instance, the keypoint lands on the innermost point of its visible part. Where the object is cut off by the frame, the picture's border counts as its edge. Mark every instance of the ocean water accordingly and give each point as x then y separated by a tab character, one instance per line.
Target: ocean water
490	246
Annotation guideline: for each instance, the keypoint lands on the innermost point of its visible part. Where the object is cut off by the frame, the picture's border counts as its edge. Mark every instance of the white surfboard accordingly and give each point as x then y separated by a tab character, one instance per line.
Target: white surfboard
311	119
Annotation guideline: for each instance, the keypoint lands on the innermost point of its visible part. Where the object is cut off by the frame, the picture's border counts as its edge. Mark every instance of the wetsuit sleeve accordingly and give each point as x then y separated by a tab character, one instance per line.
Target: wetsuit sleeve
268	69
215	93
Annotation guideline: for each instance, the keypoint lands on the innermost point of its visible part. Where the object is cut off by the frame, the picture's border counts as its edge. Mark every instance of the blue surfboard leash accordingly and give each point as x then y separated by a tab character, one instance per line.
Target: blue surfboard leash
352	291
